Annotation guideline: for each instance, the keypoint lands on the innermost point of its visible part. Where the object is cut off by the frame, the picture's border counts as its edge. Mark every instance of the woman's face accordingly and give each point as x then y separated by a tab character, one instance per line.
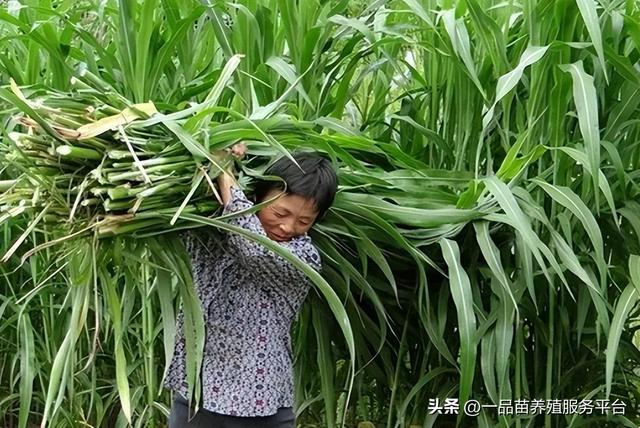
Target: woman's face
288	216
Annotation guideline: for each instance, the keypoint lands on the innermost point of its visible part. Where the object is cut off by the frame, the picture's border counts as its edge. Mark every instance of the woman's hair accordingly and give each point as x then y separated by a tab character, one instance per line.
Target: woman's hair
314	178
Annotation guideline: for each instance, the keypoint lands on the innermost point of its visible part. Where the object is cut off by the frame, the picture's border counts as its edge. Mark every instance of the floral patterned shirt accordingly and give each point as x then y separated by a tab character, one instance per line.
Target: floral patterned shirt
250	297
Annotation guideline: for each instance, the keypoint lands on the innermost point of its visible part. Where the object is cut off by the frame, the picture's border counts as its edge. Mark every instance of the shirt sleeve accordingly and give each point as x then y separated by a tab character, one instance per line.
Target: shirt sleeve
272	267
186	237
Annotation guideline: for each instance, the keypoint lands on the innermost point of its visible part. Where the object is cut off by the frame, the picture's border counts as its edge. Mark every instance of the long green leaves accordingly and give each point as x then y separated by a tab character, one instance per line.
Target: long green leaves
584	95
461	292
627	301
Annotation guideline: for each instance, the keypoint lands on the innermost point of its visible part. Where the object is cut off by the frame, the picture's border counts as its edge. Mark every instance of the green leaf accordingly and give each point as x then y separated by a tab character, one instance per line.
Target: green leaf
590	17
287	72
626	302
115	310
461	293
326	366
491	255
586	102
568	199
519	221
459	37
509	81
28	368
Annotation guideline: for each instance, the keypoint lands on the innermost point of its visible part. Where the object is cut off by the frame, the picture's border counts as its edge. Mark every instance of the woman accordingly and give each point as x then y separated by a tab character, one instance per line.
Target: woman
250	297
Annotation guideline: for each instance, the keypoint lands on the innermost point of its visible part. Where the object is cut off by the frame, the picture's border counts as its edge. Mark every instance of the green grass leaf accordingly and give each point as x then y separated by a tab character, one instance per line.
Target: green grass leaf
461	293
628	299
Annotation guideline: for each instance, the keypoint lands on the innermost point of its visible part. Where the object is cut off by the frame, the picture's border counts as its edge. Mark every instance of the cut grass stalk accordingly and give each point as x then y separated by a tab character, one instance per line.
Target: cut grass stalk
78	152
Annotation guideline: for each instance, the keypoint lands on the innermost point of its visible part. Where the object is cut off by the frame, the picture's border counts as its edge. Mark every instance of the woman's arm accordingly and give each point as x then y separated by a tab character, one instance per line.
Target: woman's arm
255	257
271	270
226	179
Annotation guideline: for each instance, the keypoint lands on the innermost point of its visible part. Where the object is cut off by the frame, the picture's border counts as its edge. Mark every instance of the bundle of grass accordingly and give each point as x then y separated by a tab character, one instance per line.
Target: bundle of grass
86	161
92	160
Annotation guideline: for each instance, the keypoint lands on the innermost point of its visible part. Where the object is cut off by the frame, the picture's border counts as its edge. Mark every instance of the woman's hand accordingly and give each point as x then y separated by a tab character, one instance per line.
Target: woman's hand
239	150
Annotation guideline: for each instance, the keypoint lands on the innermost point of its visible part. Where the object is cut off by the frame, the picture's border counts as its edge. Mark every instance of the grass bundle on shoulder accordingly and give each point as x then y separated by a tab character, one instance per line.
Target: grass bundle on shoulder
89	160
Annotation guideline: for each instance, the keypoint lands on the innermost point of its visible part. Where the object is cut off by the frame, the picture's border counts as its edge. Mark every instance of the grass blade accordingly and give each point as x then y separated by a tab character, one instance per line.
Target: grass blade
461	293
626	302
586	102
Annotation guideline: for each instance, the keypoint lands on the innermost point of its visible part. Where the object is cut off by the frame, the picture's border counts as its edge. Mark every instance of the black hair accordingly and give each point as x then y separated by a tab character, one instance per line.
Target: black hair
317	180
